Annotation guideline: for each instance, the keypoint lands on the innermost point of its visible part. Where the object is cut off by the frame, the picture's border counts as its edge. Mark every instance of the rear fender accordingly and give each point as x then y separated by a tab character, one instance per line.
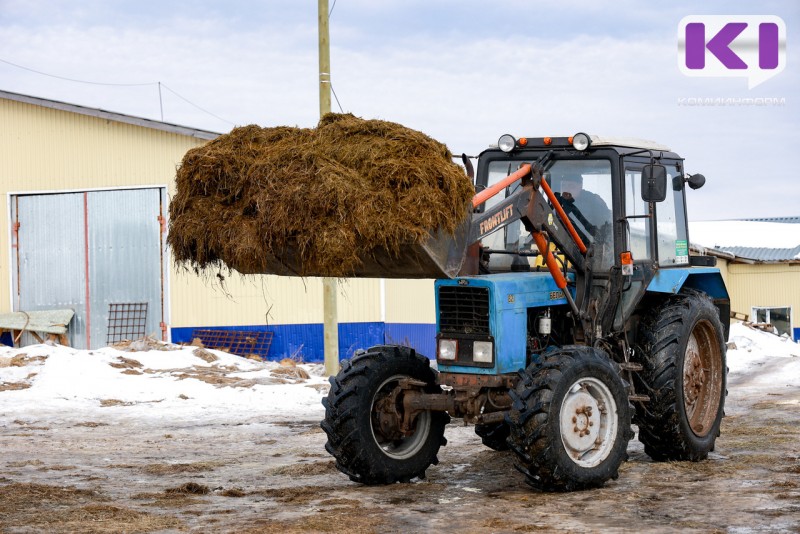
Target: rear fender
706	279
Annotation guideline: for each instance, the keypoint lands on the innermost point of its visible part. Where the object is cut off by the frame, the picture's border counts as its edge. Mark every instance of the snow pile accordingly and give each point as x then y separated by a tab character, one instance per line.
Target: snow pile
182	382
764	359
189	383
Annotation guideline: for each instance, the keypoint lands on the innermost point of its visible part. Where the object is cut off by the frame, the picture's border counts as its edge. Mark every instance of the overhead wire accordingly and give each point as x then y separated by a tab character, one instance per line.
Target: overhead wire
159	84
73	79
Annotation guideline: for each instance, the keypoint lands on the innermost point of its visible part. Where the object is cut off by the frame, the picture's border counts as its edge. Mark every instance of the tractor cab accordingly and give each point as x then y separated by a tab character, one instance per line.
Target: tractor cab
598	181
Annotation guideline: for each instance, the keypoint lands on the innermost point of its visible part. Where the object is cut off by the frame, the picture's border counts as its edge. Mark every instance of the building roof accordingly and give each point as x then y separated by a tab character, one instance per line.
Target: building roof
110	115
789	220
768	240
765	254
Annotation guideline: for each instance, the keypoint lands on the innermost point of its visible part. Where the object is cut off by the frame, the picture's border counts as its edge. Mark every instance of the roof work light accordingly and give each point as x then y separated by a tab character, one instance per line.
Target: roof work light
581	141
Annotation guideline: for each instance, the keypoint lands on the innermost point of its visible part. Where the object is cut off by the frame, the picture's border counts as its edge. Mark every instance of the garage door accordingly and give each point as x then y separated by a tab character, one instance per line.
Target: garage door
99	253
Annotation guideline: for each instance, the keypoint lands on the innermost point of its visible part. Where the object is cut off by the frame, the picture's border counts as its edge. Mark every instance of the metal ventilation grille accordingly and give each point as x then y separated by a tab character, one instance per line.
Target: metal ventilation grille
241	343
464	310
126	320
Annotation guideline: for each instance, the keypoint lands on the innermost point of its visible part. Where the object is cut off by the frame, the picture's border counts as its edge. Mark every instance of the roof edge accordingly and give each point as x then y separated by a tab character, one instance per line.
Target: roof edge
111	115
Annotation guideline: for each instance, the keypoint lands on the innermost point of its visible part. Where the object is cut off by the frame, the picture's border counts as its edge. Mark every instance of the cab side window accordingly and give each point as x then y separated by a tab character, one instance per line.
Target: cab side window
638	228
673	247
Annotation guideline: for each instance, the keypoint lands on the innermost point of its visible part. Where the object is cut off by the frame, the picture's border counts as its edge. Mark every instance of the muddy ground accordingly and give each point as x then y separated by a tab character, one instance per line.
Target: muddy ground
127	474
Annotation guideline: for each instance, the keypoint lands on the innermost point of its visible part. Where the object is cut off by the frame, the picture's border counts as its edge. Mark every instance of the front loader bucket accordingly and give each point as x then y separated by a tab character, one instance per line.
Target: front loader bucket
441	255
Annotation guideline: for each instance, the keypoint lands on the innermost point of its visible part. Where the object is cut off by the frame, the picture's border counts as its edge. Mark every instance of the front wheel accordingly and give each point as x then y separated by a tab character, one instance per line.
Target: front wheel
363	414
570	420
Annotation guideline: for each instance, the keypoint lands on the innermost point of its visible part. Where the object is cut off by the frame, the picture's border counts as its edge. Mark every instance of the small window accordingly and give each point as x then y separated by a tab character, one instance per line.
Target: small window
780	318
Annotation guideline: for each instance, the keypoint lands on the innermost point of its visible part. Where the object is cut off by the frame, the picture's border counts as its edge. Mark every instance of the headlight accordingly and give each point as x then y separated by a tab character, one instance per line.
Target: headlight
482	352
506	142
448	348
581	141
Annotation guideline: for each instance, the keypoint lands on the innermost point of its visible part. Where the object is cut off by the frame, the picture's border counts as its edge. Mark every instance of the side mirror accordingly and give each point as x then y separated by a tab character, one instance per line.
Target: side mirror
696	181
654	183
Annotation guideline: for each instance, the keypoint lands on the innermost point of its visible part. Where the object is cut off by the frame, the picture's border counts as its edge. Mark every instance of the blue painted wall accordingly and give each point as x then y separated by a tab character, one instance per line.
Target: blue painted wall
306	340
421	337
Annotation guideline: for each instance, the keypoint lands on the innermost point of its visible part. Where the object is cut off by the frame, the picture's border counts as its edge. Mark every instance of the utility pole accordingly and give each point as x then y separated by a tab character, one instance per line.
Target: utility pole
330	324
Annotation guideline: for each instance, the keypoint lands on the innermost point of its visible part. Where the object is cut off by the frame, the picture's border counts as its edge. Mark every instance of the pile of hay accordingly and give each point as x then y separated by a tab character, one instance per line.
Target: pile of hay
313	201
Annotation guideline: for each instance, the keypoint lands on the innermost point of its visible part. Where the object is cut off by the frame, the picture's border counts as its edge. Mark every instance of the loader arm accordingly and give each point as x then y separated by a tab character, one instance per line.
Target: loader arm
538	208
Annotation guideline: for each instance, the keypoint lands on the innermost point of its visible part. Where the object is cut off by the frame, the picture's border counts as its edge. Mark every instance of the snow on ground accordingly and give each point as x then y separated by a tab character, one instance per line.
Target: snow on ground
186	383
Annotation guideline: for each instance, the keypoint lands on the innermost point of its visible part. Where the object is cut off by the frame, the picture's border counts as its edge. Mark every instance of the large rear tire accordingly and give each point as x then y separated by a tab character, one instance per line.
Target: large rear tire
370	449
682	350
570	420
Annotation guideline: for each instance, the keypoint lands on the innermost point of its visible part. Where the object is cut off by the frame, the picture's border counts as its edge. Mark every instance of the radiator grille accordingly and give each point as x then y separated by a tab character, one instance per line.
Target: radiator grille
464	310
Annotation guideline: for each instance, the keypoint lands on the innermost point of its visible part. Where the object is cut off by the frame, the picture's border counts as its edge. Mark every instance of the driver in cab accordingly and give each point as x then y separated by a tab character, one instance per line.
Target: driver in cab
584	207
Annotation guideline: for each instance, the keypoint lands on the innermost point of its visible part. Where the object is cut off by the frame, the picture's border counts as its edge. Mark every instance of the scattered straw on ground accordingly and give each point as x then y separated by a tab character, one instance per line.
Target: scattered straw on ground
189	488
305	469
126	363
105	403
143	345
205	355
295	373
171	469
322	196
38	507
14	386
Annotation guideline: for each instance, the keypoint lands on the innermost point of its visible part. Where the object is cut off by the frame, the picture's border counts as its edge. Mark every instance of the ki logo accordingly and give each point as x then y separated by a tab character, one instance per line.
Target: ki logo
745	46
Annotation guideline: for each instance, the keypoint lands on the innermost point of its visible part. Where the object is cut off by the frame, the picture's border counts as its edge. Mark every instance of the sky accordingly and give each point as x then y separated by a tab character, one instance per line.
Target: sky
464	72
175	383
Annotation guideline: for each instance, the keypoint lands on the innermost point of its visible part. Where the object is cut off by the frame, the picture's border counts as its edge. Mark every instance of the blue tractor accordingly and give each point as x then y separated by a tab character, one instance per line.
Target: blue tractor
568	309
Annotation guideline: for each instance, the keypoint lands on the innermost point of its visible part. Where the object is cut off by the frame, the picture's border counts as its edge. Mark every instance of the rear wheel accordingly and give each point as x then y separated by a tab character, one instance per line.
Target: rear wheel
363	412
682	350
570	420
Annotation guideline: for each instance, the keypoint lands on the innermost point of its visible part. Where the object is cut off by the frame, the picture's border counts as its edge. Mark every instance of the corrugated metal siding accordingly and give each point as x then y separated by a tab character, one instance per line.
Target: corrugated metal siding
51	273
60	235
769	285
124	256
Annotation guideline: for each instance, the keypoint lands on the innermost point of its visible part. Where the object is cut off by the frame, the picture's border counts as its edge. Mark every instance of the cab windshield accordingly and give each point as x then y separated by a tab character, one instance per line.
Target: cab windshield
583	188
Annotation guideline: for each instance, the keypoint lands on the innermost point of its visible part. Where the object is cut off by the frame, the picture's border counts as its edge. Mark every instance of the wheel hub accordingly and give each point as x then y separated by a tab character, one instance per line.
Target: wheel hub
385	423
585	421
588	426
702	382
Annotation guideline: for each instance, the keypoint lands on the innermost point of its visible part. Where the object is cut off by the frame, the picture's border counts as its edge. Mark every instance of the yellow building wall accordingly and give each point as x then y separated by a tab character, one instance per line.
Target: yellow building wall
765	285
410	301
44	149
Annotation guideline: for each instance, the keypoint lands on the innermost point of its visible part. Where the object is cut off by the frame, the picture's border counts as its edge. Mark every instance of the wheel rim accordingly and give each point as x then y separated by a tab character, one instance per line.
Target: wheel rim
702	378
588	422
399	448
